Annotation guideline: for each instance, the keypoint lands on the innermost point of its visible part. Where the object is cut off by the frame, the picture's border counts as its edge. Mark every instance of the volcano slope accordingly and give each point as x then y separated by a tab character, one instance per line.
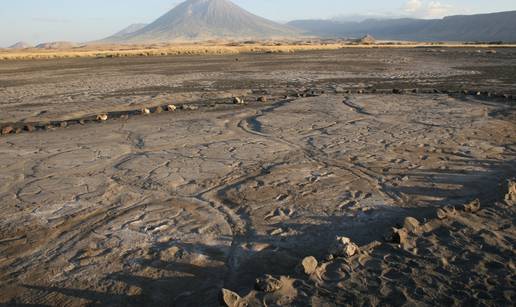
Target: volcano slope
203	20
172	207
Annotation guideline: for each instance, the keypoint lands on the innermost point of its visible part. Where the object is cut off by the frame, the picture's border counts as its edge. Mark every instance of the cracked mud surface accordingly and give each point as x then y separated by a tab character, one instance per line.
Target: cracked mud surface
169	208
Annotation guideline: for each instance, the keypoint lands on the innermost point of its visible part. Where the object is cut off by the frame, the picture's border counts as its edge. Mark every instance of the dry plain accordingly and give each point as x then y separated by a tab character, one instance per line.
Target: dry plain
171	207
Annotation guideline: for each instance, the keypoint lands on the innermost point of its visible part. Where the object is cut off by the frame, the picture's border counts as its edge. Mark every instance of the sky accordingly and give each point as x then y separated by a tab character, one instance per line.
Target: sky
36	21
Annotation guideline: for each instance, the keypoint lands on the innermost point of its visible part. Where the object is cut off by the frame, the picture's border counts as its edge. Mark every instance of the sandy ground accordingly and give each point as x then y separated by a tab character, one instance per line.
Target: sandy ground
170	208
220	48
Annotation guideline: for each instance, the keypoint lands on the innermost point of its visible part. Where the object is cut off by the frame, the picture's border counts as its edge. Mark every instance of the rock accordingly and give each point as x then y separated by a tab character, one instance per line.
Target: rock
145	111
309	265
446	212
398	236
102	117
171	108
238	100
268	284
262	99
444	262
189	107
63	124
473	206
277	231
124	117
229	298
7	130
343	247
158	110
491	51
30	128
411	225
511	193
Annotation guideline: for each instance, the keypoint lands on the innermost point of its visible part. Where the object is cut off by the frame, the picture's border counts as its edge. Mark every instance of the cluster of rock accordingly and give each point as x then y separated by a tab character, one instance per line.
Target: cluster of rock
10	129
99	118
401	91
400	242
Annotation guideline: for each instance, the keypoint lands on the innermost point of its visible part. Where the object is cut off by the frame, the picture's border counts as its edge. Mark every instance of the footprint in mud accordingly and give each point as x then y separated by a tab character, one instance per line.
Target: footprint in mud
352	198
355	195
172	253
280	214
87	256
347	204
139	143
284	232
281	197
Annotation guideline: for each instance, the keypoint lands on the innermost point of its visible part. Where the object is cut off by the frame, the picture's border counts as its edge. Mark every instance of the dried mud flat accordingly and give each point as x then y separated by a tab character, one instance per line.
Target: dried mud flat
172	208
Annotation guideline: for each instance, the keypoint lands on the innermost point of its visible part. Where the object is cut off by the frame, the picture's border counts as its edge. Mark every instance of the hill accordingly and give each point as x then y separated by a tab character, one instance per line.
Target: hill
201	20
480	27
130	29
57	45
20	45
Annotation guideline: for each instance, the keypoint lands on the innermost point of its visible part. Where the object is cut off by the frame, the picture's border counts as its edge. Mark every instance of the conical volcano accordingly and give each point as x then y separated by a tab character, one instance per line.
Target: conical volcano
200	20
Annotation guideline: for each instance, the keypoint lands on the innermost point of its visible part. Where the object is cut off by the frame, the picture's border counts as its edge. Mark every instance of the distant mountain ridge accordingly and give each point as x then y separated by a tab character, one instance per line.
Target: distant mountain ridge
130	29
481	27
20	45
197	20
57	45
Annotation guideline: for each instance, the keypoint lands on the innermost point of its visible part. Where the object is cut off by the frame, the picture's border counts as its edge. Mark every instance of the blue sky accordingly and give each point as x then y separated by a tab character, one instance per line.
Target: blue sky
37	21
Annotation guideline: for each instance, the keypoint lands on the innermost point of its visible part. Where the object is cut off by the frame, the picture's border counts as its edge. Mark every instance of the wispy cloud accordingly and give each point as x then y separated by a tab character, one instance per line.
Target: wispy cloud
413	6
427	9
438	9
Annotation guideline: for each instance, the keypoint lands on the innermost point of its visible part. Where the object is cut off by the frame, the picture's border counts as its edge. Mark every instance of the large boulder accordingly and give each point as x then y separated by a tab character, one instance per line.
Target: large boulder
268	284
229	298
412	225
343	247
309	265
